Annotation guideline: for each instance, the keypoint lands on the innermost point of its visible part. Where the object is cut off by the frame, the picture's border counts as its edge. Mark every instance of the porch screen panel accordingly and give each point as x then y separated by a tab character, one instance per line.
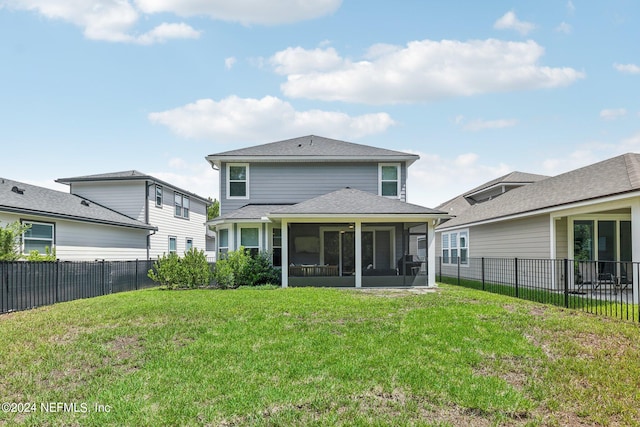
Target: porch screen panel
606	240
332	247
625	241
383	249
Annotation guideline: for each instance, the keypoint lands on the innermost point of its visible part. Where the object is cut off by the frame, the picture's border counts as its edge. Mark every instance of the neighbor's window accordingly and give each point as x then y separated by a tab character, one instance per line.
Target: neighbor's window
223	243
389	180
238	181
173	245
159	196
182	205
38	238
455	245
250	239
189	244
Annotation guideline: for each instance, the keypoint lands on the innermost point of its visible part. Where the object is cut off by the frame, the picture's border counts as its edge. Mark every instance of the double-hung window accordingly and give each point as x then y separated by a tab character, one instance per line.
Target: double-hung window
223	243
182	205
39	237
173	245
188	244
389	180
159	195
277	247
455	247
237	181
250	239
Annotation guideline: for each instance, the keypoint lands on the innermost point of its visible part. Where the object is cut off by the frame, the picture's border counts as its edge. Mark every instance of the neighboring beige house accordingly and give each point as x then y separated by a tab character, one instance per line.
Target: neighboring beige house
591	213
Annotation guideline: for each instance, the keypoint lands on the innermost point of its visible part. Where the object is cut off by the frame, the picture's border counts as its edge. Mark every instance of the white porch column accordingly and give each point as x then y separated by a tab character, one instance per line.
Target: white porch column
431	252
635	247
358	238
284	233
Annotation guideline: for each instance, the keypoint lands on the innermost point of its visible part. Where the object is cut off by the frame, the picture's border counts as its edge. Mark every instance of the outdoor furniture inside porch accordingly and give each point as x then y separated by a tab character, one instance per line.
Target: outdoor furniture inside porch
309	270
602	276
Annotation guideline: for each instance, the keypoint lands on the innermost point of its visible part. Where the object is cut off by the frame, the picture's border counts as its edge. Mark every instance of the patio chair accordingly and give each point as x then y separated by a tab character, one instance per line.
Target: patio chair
587	275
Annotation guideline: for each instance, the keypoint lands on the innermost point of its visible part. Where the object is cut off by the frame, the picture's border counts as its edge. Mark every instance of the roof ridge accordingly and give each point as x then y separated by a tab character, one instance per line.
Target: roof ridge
633	169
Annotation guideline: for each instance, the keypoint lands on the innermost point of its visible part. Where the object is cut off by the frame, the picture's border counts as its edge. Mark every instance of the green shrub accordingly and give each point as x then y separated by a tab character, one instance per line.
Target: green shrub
173	272
48	256
239	268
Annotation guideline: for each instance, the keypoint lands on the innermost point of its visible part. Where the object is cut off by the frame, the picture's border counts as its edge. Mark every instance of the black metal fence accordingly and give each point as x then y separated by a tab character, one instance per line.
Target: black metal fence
599	287
25	285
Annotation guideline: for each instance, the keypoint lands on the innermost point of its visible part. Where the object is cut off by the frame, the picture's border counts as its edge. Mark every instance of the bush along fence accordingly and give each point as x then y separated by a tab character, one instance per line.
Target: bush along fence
25	285
599	287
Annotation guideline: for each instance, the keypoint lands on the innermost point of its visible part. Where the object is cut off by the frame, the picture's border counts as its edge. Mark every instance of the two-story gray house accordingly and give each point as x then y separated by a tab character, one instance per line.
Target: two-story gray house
332	213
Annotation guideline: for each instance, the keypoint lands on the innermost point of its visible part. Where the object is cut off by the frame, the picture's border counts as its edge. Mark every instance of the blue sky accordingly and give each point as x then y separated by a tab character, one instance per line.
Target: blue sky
478	89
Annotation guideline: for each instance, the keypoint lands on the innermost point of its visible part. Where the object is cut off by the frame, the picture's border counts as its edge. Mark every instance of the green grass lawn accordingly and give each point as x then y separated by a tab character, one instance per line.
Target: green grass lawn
317	357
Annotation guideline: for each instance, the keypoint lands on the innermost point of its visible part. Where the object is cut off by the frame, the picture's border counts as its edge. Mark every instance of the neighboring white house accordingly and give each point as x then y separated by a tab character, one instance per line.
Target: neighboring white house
78	228
177	215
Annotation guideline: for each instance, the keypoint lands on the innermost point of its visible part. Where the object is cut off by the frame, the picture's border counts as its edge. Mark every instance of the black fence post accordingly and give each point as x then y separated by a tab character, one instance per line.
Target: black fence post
515	268
565	263
482	269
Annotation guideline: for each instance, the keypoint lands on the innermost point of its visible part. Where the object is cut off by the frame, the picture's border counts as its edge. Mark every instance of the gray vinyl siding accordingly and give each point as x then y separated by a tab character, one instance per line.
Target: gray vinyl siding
562	238
274	183
521	238
128	198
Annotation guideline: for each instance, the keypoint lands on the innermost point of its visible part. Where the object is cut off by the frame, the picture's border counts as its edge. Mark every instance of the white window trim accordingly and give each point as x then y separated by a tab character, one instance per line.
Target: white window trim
53	235
398	184
186	243
229	239
228	182
457	247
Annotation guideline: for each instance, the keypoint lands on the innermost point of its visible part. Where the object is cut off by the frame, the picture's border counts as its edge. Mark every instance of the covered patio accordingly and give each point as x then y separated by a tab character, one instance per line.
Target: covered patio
350	238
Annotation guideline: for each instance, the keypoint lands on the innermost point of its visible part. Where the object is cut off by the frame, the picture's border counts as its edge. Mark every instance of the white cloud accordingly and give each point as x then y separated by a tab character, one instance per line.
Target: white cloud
245	11
424	70
564	28
269	118
229	62
509	21
591	152
111	21
613	113
296	60
434	179
479	124
570	7
115	20
627	68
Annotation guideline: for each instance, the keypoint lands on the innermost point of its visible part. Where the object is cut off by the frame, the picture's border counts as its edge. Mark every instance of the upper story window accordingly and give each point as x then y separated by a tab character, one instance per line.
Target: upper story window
455	246
182	205
237	181
159	195
39	237
389	180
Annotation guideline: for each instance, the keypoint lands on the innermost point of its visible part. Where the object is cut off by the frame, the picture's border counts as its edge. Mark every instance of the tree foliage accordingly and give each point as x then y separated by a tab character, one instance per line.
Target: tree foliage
10	236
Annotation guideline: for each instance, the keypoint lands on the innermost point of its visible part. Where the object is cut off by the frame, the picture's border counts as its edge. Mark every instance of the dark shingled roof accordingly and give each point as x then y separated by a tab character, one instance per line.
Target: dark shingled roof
311	147
249	212
34	200
126	176
350	201
460	203
617	175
